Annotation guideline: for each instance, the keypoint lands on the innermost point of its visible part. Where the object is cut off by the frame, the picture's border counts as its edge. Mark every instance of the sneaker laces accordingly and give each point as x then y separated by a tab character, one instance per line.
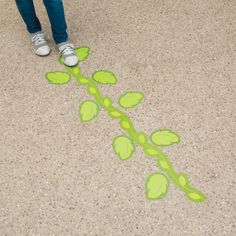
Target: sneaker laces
67	49
39	39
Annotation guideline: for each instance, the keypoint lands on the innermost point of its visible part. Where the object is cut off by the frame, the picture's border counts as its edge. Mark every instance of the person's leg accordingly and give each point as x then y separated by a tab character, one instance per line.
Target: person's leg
57	19
38	38
27	11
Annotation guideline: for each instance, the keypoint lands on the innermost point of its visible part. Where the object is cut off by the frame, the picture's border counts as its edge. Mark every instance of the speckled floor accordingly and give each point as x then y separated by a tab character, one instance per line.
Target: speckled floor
61	177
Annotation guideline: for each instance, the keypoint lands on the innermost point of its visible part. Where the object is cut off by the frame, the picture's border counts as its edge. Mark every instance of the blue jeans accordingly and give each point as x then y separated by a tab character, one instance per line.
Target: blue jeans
56	16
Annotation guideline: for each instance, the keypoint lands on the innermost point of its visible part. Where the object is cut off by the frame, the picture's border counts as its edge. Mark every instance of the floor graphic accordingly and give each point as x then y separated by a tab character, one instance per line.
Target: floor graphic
124	145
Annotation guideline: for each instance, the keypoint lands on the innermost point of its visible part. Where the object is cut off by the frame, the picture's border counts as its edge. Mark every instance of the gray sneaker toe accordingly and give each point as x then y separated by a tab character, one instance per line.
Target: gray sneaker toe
71	60
43	50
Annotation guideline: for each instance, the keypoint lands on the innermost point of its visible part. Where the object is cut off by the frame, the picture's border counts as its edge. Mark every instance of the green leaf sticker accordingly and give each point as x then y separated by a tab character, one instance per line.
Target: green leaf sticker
130	99
164	137
82	53
58	77
123	147
156	186
104	77
88	110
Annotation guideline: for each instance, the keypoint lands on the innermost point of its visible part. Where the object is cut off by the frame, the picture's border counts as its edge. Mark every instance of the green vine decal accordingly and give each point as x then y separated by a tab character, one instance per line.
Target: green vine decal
157	184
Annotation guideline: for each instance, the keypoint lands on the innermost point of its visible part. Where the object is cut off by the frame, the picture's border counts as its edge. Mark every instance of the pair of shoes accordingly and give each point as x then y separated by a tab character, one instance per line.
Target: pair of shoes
66	49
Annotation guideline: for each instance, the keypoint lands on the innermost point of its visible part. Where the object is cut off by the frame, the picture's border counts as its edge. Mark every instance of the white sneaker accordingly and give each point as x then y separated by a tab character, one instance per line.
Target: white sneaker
40	44
68	53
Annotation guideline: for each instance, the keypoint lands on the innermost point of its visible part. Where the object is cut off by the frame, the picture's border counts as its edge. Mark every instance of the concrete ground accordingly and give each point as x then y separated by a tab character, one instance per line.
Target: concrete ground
61	177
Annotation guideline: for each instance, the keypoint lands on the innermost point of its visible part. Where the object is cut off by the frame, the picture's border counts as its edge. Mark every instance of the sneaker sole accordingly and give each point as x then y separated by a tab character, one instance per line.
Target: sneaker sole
73	65
42	55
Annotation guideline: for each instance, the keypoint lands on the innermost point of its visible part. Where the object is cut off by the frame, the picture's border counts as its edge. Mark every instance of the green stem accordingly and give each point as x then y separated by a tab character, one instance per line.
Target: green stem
179	179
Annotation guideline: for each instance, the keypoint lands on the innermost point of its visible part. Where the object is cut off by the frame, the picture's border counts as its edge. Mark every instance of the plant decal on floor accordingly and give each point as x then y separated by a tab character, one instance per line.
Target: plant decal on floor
124	145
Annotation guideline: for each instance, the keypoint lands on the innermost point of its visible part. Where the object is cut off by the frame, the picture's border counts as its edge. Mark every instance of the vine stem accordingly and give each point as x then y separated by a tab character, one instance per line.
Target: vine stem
163	162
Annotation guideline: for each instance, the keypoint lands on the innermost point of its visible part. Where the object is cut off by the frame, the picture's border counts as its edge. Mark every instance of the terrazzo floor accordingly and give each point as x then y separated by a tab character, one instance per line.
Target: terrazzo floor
59	176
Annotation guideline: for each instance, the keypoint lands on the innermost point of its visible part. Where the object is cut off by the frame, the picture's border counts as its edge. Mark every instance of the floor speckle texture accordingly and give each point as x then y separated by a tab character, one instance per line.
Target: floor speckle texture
61	177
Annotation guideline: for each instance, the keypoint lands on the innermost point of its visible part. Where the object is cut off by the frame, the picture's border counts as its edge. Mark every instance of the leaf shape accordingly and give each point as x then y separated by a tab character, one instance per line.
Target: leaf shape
88	110
196	196
115	114
165	137
82	53
156	186
58	77
183	179
164	164
104	77
151	152
142	138
125	124
130	99
107	102
123	147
